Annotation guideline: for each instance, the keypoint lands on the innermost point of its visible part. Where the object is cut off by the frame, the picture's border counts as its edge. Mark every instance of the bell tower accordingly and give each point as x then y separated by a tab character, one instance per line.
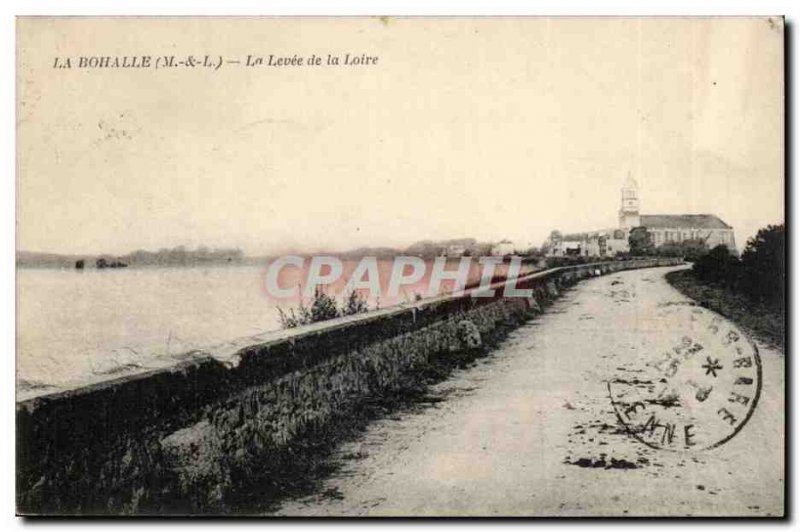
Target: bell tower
629	208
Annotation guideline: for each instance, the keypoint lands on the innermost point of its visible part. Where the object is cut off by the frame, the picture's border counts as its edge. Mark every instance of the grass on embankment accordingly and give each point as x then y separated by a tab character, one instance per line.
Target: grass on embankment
764	323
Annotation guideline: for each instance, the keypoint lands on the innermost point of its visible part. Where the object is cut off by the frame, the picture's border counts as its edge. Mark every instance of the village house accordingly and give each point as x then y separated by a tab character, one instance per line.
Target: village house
455	250
503	248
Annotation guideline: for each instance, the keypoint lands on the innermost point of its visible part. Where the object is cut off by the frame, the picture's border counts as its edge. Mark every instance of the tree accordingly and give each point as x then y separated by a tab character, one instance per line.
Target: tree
763	265
640	241
718	266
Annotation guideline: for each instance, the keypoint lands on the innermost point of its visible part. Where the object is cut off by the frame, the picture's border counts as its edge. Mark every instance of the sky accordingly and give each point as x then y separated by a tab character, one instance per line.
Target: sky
488	128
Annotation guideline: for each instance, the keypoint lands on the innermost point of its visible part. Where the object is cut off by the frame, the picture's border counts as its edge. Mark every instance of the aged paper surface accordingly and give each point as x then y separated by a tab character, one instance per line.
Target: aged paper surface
400	266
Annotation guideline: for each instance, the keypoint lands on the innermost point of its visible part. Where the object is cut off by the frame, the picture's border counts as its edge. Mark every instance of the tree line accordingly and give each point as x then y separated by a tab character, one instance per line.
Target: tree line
759	273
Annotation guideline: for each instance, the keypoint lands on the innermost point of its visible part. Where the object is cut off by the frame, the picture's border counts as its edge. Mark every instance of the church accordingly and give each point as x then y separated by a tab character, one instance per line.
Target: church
662	228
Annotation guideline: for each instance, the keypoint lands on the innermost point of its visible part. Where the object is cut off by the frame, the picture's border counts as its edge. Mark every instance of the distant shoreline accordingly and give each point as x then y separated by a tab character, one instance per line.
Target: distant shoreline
91	267
178	256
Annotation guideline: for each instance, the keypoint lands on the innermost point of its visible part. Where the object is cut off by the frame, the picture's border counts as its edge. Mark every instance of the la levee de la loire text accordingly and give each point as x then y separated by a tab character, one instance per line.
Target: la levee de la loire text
213	61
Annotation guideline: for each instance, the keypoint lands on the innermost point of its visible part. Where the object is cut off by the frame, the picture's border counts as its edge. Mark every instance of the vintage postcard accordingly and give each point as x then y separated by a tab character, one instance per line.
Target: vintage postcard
411	267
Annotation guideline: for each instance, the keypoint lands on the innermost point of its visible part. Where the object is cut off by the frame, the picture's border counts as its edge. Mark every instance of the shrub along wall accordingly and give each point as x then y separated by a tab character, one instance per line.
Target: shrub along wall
195	437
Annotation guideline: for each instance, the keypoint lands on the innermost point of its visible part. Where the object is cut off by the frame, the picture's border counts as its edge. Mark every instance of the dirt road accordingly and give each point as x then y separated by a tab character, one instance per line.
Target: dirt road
546	425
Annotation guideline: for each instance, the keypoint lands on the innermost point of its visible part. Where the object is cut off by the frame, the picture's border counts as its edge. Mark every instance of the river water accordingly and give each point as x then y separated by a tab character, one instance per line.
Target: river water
97	322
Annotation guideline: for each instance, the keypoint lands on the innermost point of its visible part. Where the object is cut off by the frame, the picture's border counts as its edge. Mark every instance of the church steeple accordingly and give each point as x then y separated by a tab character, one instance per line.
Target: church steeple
629	208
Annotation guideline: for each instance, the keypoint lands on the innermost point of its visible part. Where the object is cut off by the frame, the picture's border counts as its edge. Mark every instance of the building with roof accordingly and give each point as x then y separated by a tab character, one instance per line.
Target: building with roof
662	228
455	250
665	228
602	243
676	228
503	248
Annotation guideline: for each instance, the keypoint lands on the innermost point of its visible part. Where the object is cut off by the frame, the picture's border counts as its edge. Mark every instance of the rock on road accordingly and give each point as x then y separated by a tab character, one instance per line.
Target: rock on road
531	429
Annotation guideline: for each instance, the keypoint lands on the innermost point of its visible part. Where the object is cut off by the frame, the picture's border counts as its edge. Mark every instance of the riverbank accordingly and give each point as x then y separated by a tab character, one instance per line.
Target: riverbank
764	323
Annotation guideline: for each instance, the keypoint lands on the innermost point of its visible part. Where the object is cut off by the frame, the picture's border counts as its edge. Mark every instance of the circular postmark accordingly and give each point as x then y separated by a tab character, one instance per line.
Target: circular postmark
697	393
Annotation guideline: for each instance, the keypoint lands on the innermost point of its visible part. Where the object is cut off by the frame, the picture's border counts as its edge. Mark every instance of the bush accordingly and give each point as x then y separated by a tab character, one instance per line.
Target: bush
323	307
718	266
557	262
294	318
354	303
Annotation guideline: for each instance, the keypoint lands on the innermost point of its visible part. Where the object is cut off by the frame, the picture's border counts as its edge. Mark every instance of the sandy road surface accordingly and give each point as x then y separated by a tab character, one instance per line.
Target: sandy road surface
531	430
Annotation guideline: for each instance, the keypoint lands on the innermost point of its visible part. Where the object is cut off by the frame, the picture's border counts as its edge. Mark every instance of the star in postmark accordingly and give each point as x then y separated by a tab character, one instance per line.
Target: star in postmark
712	366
